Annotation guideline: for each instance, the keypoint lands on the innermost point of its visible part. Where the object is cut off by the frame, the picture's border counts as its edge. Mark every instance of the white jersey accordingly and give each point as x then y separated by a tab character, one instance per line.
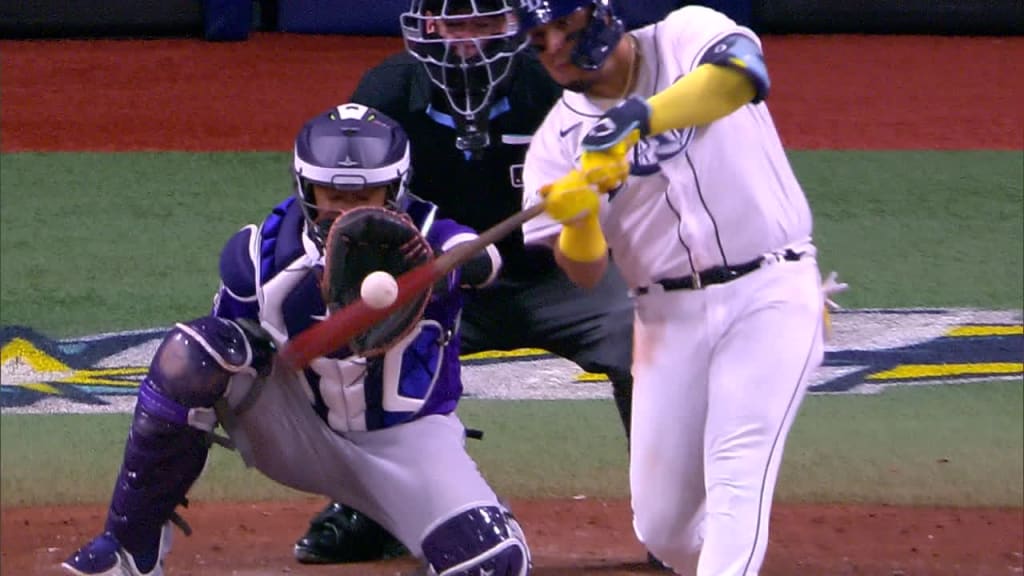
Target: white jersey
719	194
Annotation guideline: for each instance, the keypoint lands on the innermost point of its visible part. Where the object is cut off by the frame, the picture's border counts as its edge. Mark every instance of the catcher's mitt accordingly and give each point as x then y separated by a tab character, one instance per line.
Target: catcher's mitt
365	240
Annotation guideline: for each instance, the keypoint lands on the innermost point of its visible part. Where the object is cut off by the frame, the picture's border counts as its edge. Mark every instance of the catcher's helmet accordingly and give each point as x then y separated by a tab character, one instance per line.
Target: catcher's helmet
350	147
594	43
466	47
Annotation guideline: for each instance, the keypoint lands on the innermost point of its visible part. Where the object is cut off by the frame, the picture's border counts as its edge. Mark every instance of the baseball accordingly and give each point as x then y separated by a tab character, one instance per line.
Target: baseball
379	289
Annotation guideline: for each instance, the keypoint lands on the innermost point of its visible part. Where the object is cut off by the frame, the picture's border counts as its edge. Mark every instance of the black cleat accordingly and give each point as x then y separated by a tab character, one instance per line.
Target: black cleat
653	561
341	535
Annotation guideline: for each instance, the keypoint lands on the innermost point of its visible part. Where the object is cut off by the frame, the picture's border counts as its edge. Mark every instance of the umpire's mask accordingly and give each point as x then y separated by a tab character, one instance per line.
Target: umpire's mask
467	48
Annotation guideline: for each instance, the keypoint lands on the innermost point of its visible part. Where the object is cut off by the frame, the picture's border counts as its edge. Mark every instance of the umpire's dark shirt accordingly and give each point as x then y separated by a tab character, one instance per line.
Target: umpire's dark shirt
478	192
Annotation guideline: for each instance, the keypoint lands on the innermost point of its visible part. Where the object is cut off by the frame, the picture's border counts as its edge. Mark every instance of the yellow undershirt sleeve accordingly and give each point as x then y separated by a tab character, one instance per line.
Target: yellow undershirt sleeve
708	93
583	241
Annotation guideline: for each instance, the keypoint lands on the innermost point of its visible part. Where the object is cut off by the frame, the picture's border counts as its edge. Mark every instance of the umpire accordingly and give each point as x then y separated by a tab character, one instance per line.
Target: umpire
469	98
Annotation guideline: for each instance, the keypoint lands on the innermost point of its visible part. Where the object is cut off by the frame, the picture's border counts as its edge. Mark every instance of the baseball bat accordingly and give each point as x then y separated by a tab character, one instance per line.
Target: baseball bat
345	324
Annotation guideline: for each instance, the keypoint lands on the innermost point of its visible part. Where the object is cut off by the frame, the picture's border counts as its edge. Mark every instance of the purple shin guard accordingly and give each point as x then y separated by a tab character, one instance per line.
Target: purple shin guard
164	455
481	541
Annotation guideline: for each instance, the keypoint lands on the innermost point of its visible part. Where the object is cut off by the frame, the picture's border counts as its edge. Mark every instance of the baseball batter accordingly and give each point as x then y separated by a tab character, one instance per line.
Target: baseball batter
663	150
377	432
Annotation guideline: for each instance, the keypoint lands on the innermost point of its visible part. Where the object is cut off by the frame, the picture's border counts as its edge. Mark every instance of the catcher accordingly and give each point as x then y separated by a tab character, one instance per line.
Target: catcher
377	412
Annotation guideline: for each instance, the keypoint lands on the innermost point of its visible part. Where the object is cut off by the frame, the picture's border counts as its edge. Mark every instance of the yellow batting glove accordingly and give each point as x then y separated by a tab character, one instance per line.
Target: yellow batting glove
607	169
570	198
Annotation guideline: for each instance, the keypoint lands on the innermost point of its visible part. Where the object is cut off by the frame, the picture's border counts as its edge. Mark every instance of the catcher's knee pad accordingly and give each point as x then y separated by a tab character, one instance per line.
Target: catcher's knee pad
481	541
192	369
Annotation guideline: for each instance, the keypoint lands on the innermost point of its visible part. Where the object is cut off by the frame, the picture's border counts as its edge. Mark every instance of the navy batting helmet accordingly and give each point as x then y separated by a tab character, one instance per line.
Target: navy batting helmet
350	147
594	43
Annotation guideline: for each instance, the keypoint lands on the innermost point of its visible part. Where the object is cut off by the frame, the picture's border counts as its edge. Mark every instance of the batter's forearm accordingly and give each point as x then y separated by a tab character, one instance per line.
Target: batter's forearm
708	93
583	274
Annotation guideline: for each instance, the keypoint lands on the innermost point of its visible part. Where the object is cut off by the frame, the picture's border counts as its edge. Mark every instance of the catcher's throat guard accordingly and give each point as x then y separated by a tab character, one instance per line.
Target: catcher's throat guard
365	240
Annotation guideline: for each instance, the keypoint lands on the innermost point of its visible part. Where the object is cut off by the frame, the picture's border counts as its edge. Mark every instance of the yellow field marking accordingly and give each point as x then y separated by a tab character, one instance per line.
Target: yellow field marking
41	387
21	349
982	330
908	371
503	354
99	377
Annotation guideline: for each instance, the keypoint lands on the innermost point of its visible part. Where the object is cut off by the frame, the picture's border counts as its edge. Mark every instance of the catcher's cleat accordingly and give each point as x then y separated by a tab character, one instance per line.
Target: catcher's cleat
104	556
341	535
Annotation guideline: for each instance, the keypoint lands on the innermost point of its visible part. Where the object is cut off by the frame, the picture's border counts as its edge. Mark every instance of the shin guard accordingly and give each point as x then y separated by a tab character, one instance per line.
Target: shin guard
169	437
485	541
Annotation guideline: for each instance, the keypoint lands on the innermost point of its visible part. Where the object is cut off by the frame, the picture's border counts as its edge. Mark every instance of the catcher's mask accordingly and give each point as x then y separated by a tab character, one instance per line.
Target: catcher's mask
466	47
594	42
349	147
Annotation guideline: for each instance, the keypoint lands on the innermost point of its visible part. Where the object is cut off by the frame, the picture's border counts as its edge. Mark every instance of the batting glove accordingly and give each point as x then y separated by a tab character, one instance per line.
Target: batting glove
570	198
629	119
574	202
832	286
606	144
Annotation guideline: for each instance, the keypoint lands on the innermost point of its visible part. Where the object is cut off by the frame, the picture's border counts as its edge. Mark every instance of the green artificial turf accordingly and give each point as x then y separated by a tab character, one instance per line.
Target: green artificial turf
958	445
99	242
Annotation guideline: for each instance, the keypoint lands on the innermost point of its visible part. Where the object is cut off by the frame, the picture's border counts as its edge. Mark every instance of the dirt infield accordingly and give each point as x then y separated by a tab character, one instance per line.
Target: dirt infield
568	538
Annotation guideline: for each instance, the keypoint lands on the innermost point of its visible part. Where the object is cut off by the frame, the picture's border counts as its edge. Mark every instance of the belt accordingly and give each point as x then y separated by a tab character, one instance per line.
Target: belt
719	274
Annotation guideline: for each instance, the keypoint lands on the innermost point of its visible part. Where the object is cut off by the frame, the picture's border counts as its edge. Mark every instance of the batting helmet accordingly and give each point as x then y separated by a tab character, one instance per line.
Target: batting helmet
350	147
594	43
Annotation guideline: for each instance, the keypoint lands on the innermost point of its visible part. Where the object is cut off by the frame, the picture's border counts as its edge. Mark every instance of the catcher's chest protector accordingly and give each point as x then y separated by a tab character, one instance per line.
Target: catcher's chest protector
418	375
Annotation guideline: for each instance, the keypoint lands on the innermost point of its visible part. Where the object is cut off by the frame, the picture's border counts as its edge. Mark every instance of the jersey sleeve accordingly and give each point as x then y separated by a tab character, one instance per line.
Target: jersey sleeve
550	156
687	35
236	297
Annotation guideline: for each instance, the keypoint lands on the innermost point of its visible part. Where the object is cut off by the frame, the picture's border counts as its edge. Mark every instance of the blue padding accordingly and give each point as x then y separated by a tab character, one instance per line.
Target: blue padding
227	20
352	17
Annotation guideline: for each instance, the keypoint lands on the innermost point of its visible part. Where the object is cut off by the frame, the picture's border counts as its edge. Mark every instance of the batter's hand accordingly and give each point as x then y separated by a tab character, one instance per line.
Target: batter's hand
830	287
606	144
606	170
628	120
570	198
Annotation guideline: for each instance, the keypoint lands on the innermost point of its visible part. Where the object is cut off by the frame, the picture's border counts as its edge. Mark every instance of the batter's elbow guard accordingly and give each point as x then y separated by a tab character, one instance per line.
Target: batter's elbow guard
741	53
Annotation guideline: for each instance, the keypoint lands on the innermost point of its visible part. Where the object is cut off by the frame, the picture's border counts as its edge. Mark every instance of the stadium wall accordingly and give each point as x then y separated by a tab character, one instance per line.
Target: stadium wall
233	19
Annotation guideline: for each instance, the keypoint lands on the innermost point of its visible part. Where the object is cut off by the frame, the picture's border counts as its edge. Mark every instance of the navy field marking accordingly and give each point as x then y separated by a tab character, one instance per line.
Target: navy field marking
869	351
